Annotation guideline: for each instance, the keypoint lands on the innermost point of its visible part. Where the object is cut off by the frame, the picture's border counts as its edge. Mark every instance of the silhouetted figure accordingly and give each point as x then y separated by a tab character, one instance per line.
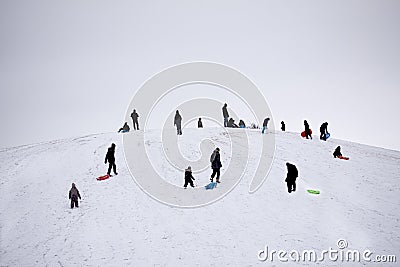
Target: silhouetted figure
74	195
307	129
337	152
242	124
323	130
200	123
189	177
265	125
110	158
135	119
225	114
124	128
283	127
231	123
177	122
216	165
291	177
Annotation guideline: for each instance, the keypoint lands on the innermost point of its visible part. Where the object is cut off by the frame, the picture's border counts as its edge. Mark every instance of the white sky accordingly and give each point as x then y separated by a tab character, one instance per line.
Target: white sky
69	68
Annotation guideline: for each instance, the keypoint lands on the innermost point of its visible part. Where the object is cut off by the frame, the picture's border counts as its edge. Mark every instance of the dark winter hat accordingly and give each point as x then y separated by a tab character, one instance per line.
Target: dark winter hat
217	149
73	184
189	169
112	145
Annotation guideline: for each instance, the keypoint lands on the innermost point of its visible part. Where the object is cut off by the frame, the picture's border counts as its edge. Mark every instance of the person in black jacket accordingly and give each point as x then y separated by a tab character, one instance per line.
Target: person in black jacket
135	120
337	152
283	126
323	130
189	177
216	165
231	123
265	125
200	123
307	129
74	195
124	128
225	114
110	157
291	177
177	122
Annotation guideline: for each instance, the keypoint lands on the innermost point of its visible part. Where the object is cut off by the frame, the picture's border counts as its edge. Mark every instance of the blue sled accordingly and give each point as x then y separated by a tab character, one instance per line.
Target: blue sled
211	186
328	135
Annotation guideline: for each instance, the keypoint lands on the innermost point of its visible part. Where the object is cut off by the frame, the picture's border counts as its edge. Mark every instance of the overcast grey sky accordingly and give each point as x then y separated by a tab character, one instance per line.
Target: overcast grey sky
70	68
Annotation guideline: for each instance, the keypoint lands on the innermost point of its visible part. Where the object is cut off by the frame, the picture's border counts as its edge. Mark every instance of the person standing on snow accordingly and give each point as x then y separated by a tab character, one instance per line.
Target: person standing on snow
199	123
265	125
216	165
188	177
124	128
110	158
291	177
323	130
74	195
135	120
177	122
307	129
225	114
283	127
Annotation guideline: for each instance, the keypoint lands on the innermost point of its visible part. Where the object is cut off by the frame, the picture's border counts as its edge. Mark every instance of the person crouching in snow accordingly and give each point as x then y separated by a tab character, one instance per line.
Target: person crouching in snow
188	177
337	152
73	195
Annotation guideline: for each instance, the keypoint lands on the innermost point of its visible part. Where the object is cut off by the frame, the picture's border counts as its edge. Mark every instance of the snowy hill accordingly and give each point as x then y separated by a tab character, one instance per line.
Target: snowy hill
117	224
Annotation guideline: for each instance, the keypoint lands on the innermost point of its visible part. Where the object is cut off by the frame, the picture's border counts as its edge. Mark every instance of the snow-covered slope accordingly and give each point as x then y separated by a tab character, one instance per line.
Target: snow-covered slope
117	224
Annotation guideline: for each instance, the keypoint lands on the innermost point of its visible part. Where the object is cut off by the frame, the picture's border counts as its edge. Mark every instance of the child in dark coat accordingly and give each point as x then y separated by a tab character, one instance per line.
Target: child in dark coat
189	177
74	195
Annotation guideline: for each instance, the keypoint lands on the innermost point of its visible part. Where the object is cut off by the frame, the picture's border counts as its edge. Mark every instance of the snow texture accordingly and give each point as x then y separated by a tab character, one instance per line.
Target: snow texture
117	224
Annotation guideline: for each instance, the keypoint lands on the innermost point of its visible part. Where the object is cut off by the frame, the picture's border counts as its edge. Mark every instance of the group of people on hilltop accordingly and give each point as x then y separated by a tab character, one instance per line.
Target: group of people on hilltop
323	129
215	158
135	121
292	172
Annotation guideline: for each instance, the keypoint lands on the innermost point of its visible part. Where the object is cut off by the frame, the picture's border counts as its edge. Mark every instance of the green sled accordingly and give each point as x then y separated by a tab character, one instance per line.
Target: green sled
316	192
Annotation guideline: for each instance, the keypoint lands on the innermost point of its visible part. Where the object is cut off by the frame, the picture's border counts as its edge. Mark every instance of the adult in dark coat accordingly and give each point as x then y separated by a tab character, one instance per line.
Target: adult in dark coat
199	123
265	125
231	123
307	129
188	177
177	123
323	130
283	126
124	128
110	158
216	165
135	119
337	152
292	174
225	114
74	195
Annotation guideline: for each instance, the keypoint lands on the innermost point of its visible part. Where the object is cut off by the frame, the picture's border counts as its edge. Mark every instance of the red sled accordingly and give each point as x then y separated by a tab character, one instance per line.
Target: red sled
104	177
345	158
303	134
